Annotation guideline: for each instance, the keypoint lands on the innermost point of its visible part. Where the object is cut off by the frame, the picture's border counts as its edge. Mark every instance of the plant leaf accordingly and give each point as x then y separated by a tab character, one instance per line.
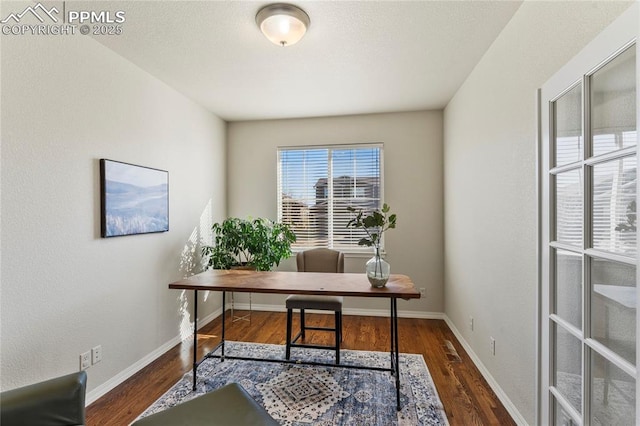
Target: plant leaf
365	242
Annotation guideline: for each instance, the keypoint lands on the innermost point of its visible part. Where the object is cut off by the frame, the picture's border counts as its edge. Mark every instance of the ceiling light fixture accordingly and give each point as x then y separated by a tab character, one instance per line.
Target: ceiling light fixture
283	24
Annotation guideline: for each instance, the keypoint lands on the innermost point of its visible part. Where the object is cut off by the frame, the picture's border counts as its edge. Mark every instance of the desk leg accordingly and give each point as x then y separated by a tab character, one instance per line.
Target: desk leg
224	305
195	336
392	350
395	355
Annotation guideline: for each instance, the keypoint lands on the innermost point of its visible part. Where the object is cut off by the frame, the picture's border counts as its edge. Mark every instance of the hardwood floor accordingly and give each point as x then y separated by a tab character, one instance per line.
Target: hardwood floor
465	394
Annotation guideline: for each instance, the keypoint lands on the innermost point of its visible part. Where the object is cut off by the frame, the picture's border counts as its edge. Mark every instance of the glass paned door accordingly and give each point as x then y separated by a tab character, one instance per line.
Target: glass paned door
589	245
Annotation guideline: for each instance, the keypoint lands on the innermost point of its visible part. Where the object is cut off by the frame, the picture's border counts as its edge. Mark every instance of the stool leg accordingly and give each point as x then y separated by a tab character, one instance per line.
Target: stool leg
341	335
302	326
289	321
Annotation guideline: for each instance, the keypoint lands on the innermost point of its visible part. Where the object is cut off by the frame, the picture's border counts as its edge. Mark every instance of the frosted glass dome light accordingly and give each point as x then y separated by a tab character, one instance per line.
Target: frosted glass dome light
283	24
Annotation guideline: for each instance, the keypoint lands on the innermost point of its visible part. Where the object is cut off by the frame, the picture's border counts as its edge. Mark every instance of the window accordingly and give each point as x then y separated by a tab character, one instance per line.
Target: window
317	184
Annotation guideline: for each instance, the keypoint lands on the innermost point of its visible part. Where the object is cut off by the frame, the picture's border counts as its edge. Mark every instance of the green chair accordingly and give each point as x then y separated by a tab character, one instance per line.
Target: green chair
55	402
230	405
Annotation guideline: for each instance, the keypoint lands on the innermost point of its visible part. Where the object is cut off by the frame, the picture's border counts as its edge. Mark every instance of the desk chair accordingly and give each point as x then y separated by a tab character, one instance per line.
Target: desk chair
228	405
316	260
55	402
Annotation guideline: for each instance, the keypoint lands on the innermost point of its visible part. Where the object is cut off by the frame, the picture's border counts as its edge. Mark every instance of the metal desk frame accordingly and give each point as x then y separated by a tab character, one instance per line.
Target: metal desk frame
394	367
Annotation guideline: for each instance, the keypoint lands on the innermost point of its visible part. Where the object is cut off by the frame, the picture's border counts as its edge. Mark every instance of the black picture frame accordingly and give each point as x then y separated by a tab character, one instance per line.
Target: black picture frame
134	199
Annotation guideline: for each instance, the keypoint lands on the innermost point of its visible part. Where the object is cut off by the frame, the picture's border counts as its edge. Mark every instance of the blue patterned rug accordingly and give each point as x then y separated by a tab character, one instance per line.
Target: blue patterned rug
299	395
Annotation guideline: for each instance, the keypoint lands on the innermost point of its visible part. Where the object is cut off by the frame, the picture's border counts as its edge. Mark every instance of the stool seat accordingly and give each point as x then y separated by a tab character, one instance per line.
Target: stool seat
303	301
230	405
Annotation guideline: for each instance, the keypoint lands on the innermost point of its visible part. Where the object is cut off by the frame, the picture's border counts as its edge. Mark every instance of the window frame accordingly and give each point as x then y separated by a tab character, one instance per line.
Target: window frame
356	250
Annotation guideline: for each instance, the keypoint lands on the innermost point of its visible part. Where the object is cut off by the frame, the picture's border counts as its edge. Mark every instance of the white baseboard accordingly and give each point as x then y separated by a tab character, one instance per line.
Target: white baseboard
350	311
111	384
502	396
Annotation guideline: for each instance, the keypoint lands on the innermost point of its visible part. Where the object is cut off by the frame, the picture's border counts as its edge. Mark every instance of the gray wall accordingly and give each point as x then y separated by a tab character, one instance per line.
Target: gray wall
490	187
412	187
66	103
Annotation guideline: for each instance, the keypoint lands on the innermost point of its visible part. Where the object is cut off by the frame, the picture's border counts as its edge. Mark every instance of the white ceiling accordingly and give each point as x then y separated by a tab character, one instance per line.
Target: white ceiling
357	57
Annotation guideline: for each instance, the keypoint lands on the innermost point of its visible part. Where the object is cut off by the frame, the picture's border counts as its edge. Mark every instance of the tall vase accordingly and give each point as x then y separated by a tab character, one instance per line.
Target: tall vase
378	270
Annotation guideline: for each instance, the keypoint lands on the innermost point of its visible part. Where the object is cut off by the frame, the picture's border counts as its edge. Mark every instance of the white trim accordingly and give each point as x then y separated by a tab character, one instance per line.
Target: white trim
333	146
401	314
348	311
539	251
613	257
566	326
566	405
119	378
613	155
365	253
611	357
637	197
577	165
577	250
502	396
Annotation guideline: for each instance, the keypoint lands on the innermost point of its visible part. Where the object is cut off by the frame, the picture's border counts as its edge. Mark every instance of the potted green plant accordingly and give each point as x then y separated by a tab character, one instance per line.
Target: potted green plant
374	225
253	244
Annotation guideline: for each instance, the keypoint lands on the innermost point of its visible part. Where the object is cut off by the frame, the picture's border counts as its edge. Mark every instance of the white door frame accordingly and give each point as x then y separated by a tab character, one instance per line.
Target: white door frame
622	31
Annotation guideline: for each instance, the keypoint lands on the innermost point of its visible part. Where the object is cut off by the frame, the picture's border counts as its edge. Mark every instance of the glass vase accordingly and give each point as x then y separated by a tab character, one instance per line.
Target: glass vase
378	270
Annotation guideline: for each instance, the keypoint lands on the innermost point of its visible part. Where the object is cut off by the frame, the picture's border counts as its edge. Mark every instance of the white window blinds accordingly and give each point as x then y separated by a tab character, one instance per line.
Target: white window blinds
317	184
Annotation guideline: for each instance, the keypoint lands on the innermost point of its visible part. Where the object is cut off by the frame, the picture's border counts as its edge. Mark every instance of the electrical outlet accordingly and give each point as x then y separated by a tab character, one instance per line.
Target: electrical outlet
423	292
85	360
96	354
492	345
471	323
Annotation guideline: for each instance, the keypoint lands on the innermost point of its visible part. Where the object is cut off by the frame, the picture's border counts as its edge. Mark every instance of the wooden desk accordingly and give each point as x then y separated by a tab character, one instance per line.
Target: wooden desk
312	283
624	295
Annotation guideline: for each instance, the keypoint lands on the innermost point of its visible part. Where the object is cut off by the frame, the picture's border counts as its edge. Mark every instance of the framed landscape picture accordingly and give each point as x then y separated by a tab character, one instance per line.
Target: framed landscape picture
135	199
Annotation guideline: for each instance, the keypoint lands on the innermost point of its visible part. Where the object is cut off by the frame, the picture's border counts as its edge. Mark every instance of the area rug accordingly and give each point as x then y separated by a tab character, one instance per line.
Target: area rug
300	395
